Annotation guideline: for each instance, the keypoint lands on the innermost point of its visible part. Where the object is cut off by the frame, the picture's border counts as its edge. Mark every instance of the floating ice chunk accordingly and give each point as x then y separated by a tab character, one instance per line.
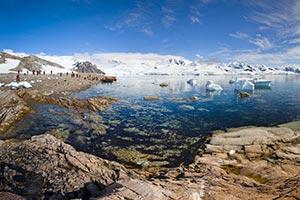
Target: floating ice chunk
231	81
2	84
211	86
32	82
192	82
244	85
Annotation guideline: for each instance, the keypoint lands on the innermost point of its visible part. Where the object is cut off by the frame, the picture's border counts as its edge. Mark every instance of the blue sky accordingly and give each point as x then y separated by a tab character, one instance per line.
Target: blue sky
265	31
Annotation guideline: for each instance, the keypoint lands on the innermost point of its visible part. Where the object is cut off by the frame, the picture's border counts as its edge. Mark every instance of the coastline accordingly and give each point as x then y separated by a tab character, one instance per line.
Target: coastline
248	163
244	162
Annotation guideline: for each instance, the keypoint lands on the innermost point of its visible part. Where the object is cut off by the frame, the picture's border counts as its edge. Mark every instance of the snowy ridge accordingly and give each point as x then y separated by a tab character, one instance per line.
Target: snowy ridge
136	64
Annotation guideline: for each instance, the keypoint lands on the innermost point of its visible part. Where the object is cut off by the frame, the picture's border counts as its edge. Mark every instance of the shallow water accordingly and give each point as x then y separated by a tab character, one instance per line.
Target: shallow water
168	129
278	104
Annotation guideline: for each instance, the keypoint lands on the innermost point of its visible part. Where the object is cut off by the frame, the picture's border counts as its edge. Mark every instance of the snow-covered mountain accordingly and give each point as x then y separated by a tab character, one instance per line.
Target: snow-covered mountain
132	64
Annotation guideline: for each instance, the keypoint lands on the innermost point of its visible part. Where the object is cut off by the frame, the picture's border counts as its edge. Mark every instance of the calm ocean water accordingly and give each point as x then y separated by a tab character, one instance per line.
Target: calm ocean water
170	127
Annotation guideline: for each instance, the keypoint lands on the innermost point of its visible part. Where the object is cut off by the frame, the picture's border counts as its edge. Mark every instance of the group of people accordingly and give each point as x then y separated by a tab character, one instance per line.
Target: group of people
73	75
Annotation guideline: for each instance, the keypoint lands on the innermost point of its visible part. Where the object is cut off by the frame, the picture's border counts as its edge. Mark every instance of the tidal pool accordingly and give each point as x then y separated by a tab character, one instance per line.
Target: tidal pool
168	130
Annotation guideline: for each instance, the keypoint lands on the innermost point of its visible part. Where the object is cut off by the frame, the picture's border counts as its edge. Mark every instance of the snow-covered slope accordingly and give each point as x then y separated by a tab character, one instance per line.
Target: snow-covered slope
11	63
132	64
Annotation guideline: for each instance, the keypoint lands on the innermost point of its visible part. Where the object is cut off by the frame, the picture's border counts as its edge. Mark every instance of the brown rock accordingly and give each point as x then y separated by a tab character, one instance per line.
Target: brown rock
44	164
12	109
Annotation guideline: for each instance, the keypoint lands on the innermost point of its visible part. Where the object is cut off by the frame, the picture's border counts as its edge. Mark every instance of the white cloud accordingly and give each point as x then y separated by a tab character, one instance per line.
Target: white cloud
138	18
260	41
168	12
195	14
288	56
295	41
281	17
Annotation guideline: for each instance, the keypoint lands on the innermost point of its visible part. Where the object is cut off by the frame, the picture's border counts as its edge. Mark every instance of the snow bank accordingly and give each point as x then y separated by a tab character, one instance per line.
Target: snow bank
8	65
22	84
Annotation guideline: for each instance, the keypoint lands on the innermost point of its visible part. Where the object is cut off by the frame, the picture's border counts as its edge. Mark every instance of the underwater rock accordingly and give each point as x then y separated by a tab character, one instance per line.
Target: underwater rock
186	107
203	109
151	98
131	156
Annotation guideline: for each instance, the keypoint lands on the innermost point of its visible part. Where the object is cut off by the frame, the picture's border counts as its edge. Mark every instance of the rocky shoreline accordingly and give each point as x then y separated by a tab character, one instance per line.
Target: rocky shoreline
250	163
243	163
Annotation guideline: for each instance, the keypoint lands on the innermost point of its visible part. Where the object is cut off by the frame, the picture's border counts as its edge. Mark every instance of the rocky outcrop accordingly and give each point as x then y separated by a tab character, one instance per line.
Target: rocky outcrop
92	104
45	166
244	163
168	189
252	163
87	67
12	109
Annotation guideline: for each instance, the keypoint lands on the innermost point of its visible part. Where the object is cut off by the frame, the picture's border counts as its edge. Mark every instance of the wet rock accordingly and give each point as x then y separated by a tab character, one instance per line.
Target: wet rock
194	98
44	164
12	109
163	85
244	94
91	104
151	98
132	157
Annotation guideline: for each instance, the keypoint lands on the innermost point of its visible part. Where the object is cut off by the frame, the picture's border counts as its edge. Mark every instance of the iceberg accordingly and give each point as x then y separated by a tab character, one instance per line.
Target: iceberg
192	82
244	85
211	86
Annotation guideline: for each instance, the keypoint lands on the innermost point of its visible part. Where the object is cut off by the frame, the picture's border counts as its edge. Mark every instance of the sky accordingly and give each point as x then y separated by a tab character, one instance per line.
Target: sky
253	31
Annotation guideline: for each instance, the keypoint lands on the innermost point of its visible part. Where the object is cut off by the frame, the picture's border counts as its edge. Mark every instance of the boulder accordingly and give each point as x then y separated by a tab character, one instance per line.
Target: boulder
45	166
